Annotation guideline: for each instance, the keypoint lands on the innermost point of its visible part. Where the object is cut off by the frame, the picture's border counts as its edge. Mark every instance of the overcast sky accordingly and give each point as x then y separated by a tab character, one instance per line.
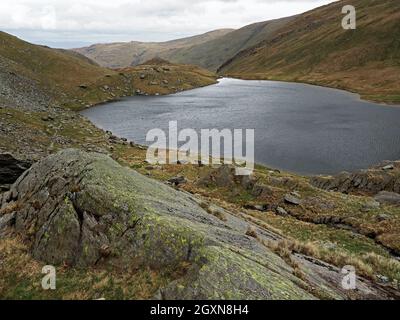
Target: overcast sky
73	23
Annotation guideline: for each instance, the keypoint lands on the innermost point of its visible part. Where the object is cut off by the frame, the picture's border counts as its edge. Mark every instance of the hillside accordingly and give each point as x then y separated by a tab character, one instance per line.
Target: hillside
212	54
39	87
209	51
116	227
170	244
35	77
314	48
125	54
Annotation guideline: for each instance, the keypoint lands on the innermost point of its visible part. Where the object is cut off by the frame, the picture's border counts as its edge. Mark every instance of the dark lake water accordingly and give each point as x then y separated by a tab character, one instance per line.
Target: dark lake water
299	128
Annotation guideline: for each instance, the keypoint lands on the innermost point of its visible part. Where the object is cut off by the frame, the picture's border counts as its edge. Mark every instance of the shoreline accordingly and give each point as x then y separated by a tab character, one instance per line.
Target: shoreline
315	84
257	164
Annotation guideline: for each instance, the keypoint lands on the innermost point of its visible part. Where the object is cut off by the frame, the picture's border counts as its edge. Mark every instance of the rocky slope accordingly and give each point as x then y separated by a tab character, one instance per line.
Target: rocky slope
314	48
35	78
115	217
126	54
39	87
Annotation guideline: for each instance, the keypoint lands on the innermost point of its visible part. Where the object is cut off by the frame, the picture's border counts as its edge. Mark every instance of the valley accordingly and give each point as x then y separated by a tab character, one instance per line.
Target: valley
86	200
308	48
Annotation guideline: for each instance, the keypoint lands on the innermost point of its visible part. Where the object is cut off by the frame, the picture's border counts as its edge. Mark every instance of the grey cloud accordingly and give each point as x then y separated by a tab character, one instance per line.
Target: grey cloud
76	21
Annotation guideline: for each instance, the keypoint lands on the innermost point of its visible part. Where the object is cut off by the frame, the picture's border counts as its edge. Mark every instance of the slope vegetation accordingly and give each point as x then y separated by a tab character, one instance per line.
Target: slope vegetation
315	48
124	54
212	54
117	219
34	77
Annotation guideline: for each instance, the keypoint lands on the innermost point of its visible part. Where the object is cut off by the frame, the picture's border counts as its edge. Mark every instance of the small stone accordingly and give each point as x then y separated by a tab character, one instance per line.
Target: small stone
382	278
105	250
370	205
289	198
382	217
257	207
177	180
281	212
388	167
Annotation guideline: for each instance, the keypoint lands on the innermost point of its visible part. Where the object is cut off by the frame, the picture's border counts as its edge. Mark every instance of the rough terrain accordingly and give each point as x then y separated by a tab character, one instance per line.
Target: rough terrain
116	217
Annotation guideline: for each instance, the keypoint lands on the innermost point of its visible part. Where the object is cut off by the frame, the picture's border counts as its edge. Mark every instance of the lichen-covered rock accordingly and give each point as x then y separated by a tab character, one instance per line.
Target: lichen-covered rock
82	210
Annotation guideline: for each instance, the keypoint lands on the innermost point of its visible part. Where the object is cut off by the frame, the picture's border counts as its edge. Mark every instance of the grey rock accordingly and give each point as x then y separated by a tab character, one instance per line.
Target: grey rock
177	180
281	212
290	199
370	181
6	221
90	211
382	278
257	207
261	190
370	205
385	197
382	217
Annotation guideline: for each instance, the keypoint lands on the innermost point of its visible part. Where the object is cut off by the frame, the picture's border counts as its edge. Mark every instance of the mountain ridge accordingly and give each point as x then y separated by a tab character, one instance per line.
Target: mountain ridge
124	54
315	49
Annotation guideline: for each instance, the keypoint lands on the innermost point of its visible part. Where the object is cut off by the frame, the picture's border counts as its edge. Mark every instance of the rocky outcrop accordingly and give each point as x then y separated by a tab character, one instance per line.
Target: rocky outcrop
381	178
224	176
82	210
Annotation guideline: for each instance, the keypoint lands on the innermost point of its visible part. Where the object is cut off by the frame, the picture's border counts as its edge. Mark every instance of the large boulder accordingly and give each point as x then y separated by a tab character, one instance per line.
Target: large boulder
81	210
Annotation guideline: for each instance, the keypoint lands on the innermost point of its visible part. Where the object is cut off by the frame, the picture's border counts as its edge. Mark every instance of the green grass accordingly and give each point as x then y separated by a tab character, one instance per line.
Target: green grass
313	48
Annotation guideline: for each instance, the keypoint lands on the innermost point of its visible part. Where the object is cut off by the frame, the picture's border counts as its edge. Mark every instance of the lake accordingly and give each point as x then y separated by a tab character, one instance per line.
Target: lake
299	128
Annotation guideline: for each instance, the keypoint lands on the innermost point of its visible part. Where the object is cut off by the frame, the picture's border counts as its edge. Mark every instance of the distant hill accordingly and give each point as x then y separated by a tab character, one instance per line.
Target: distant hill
124	54
314	48
212	54
35	77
